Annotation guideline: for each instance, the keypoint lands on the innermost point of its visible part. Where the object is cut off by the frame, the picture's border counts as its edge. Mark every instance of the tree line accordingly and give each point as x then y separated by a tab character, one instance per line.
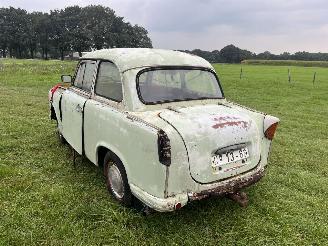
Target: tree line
233	54
62	32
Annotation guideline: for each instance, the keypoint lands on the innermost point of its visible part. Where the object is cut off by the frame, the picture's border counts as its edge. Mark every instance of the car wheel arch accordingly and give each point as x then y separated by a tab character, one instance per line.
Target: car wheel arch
102	150
53	115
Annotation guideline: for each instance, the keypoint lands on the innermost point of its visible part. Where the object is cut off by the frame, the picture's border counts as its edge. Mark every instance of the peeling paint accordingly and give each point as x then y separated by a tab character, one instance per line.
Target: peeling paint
230	121
202	140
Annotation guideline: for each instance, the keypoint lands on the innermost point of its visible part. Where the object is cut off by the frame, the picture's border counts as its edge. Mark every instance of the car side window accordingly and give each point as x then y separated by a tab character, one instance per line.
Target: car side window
109	82
88	75
79	75
84	75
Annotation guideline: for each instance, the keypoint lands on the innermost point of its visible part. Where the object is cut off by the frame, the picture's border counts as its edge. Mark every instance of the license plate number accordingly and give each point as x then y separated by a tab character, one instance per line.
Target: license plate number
230	156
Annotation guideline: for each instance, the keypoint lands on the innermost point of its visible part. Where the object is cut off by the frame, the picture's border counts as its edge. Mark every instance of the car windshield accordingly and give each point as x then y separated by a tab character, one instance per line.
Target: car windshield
168	85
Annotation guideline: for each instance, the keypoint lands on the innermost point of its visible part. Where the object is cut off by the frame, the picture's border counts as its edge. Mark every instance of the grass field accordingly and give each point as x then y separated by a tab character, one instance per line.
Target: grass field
287	63
44	200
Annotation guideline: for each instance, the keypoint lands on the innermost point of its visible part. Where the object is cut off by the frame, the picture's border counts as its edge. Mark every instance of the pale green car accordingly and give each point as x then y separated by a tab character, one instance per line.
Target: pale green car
158	124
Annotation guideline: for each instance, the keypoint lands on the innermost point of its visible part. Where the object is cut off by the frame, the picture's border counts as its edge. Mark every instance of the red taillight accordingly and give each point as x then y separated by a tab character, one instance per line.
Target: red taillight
164	148
269	133
53	90
177	206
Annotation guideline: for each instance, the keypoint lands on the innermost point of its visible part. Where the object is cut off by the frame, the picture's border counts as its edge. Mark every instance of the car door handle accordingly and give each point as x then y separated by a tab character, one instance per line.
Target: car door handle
78	109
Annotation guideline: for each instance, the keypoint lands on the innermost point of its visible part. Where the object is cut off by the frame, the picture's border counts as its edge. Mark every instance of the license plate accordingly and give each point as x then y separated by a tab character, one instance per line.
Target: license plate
230	156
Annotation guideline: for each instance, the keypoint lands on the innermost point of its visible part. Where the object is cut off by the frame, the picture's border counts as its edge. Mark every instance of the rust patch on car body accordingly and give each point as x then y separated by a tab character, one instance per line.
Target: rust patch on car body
224	121
230	187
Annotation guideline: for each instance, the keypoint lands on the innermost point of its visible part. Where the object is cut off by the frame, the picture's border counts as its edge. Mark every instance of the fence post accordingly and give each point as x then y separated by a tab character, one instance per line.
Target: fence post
241	73
314	75
289	76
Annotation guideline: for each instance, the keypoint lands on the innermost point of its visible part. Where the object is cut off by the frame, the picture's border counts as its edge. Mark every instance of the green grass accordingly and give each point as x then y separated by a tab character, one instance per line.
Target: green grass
286	63
44	200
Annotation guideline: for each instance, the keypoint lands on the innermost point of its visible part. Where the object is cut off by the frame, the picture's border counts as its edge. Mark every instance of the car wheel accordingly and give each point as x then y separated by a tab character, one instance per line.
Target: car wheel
116	180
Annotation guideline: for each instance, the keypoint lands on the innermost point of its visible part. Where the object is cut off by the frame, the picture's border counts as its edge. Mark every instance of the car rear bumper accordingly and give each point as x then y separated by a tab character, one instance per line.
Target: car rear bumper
228	186
159	204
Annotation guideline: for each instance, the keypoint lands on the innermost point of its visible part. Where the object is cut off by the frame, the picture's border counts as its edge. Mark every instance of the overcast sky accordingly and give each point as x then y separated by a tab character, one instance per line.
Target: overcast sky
256	25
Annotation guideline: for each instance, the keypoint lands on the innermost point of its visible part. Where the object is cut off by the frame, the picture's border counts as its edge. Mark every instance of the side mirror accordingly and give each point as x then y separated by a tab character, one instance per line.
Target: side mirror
66	78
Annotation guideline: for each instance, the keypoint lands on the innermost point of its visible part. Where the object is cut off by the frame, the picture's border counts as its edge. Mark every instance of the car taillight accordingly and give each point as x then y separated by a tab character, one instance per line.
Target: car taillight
164	148
52	91
177	206
270	126
269	133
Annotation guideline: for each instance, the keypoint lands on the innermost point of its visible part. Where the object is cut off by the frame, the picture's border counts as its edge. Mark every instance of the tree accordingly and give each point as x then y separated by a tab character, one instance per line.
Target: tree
75	28
140	37
16	29
59	35
266	56
115	37
207	55
42	26
4	42
216	56
231	54
64	31
98	21
32	34
284	56
245	54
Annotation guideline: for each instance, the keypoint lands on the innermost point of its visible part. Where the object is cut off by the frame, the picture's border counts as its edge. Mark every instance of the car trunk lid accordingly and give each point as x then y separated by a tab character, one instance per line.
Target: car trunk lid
212	131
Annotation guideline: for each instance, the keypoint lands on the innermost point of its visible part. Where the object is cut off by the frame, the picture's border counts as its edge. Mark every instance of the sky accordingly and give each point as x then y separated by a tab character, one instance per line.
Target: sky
255	25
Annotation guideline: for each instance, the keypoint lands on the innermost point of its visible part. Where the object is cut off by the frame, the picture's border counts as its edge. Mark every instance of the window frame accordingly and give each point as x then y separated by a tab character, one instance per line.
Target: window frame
154	68
76	71
93	74
96	80
75	74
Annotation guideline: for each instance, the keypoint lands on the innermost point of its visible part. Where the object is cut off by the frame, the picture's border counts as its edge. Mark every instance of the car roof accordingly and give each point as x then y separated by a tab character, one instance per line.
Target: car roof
129	58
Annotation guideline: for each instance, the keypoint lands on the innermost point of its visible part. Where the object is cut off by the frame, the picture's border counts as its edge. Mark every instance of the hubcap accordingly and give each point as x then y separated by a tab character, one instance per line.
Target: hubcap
116	181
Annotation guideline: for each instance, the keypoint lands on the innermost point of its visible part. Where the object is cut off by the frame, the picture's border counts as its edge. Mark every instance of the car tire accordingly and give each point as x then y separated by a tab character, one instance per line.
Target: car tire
116	180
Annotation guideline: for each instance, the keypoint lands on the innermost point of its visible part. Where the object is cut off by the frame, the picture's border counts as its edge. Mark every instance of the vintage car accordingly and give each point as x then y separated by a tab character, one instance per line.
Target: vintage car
158	124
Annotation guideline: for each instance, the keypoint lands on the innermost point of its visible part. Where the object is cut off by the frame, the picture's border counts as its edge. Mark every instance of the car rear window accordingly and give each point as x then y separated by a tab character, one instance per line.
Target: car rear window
158	85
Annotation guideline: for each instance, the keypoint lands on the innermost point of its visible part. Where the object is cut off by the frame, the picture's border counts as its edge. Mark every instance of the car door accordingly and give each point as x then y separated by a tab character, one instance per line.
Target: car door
73	103
103	113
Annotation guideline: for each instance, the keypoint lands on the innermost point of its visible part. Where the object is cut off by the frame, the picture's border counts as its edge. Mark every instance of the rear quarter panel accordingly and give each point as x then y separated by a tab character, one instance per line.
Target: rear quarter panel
134	142
55	103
